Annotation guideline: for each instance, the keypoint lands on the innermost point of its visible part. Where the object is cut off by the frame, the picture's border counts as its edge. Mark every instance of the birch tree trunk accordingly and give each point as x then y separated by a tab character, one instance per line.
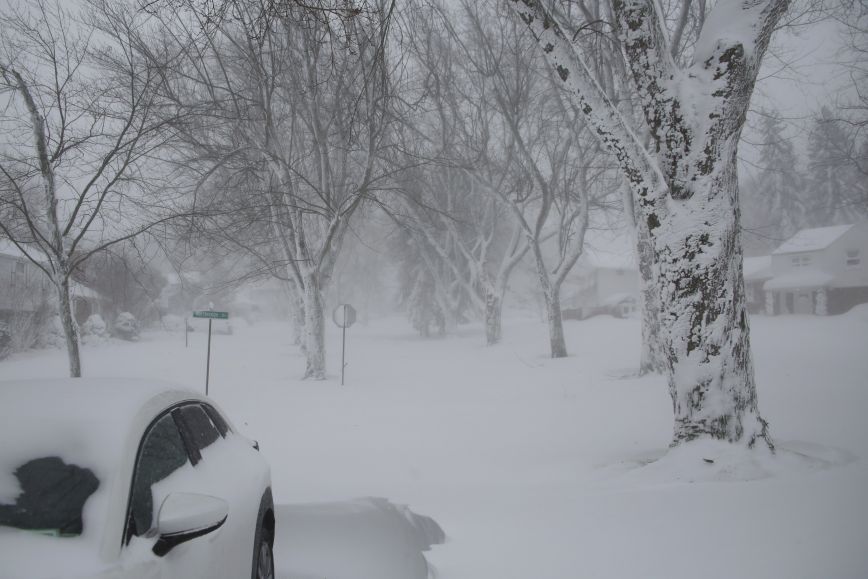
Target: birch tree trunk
55	246
686	191
70	328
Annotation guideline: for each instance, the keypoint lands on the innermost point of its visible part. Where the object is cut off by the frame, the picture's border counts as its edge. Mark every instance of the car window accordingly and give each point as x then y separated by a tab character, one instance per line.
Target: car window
162	452
217	419
199	426
53	494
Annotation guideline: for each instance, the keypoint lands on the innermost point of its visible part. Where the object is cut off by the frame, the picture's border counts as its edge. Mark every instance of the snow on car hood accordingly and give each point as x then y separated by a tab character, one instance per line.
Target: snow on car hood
86	423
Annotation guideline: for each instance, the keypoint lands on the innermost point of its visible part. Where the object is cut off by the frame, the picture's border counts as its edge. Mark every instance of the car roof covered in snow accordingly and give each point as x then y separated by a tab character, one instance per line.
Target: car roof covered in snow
90	422
812	239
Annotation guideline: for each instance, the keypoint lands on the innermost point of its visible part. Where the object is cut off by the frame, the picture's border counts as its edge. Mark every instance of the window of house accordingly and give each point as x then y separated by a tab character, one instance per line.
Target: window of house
801	260
853	258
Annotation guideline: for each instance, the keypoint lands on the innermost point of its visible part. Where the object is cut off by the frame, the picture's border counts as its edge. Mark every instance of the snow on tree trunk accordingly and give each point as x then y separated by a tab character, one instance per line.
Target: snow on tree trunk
704	316
70	328
314	330
493	317
296	312
652	359
555	323
685	188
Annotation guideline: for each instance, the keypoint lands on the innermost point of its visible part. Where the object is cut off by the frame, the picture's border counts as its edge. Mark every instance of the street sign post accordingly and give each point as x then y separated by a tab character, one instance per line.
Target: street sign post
344	316
210	315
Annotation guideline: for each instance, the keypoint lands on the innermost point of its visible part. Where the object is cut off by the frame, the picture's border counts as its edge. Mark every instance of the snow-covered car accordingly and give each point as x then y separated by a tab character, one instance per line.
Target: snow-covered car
118	478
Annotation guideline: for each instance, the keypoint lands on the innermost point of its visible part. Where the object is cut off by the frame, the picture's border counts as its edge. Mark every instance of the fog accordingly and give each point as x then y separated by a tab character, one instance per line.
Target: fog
503	289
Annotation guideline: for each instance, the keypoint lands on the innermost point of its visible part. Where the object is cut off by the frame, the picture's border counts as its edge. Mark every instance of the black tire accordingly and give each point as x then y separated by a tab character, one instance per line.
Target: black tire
263	543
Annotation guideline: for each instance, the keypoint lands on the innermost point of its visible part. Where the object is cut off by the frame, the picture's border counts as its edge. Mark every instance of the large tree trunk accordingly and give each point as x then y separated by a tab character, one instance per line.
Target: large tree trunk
652	358
704	319
70	328
314	330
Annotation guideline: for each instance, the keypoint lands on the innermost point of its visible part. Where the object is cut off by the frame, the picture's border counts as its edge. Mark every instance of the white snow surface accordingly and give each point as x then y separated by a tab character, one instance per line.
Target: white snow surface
812	239
532	467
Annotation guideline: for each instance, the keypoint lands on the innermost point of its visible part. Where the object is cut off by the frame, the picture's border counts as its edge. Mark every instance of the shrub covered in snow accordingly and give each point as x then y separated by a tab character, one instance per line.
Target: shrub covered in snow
126	326
95	326
51	334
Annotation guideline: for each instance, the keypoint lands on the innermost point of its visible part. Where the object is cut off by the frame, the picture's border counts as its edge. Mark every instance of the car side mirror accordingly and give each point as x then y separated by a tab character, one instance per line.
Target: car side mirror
186	516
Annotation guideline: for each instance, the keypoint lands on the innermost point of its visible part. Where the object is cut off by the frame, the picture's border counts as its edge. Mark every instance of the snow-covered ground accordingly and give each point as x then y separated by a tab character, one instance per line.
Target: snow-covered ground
533	468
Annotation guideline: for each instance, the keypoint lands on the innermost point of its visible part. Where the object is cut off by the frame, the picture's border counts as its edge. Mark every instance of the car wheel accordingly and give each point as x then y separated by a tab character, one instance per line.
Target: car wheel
263	553
264	561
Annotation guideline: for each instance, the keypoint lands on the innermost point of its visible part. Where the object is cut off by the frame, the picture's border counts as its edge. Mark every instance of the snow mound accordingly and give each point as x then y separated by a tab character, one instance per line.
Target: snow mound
709	461
368	538
859	312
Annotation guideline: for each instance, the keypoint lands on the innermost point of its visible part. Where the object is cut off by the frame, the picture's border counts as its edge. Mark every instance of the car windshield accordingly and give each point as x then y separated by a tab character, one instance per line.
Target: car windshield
52	497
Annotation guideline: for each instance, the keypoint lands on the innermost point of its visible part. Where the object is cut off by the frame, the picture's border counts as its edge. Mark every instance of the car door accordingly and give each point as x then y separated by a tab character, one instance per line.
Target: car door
219	467
162	455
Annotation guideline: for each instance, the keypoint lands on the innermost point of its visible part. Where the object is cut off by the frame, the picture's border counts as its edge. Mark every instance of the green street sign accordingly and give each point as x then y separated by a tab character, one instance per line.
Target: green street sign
212	315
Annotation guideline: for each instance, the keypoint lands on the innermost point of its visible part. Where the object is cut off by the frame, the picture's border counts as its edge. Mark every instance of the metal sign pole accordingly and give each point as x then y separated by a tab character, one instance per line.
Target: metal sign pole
186	332
208	362
344	345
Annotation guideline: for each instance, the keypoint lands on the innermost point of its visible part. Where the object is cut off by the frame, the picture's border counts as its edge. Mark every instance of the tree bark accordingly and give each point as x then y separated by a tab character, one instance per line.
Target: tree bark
70	328
555	322
652	359
493	317
314	330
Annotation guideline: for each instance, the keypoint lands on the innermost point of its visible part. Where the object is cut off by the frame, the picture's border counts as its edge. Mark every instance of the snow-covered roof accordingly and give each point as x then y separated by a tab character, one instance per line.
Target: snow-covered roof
799	280
757	268
812	239
10	249
80	290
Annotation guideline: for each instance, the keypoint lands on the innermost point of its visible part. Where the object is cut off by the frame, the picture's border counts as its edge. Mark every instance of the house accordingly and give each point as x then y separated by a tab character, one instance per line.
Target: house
25	288
604	281
819	271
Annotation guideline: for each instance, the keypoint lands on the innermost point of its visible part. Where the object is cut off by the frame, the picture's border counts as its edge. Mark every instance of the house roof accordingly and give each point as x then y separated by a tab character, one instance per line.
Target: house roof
806	279
812	239
618	298
757	268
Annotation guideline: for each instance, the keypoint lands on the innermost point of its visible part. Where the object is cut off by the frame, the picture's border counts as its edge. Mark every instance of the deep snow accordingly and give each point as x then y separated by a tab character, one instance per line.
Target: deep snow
533	467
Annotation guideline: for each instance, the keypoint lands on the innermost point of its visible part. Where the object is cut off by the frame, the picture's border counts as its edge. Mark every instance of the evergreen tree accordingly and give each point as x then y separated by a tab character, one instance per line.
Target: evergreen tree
837	185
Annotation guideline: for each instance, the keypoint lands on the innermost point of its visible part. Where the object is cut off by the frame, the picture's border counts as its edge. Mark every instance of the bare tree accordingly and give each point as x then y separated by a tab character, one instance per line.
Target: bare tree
565	173
80	132
289	124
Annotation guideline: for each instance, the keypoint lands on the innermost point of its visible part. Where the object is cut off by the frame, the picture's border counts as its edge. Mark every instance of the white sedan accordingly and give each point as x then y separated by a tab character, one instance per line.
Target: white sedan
118	478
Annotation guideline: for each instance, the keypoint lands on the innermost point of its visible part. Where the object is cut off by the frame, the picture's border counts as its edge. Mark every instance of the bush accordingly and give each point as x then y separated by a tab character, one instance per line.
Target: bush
94	330
95	326
5	340
51	333
126	326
